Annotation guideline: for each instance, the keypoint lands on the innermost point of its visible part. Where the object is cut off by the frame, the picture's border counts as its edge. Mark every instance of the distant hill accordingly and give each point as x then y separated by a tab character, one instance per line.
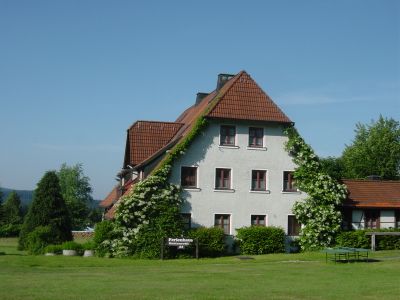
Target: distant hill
26	196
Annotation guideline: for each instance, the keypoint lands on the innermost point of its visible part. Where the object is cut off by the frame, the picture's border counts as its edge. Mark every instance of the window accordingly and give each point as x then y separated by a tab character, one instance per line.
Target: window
227	135
258	220
289	184
258	180
293	225
223	179
187	221
189	177
256	136
371	219
224	222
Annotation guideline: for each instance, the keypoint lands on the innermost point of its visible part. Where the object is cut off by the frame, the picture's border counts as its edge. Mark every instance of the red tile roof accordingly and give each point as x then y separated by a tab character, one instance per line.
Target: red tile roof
144	138
245	100
372	193
111	198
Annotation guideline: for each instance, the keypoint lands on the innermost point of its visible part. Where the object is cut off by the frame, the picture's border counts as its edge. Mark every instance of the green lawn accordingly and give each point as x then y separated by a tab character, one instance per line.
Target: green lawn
278	276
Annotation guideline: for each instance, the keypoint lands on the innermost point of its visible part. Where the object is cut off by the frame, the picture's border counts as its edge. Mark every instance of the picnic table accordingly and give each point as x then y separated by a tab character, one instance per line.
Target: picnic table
345	253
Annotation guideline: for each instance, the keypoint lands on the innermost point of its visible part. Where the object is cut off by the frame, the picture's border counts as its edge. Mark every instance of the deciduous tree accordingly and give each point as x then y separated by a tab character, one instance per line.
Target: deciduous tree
374	151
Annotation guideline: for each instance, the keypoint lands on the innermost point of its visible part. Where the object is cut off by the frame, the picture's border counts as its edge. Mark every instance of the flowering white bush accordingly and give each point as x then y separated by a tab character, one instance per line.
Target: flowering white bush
319	213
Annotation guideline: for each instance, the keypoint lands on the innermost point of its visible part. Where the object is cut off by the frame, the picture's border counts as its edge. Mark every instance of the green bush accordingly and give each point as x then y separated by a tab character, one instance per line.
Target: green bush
211	241
353	239
103	231
358	239
261	240
89	245
71	245
10	230
38	239
57	249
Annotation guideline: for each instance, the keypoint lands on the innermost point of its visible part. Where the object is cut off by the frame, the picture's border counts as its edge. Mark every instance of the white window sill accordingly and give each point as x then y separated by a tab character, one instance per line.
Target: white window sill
291	192
257	148
224	190
260	192
192	189
228	147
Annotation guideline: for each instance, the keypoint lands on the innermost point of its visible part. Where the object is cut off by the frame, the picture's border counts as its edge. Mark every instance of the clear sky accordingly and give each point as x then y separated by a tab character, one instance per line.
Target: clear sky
74	75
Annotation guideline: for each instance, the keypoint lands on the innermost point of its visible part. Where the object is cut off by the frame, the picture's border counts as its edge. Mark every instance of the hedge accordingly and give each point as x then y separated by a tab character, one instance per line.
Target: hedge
358	239
211	241
261	240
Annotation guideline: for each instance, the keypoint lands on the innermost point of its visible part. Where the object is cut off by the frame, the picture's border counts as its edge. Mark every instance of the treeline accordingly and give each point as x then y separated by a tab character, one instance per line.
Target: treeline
75	191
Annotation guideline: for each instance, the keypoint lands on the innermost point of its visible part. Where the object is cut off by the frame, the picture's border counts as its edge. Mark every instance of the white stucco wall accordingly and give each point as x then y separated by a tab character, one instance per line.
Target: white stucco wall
387	219
207	155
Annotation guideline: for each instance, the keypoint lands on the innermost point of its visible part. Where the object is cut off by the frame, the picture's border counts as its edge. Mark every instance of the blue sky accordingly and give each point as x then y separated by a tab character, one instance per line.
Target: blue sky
74	75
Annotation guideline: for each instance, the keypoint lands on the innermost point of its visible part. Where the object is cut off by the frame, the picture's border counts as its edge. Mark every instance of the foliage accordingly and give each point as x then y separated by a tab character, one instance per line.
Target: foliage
261	240
9	230
353	239
38	239
375	150
104	232
76	191
56	249
1	208
13	209
211	241
358	239
333	166
319	213
148	213
47	209
71	245
89	245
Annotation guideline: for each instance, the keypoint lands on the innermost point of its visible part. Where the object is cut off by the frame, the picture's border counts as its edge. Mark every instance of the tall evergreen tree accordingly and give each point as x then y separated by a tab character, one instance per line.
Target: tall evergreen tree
375	150
47	209
1	208
13	209
76	191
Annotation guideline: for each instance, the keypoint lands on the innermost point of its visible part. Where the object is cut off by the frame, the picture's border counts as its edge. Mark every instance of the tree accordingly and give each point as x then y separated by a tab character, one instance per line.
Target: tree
375	150
76	191
13	209
47	209
333	166
1	208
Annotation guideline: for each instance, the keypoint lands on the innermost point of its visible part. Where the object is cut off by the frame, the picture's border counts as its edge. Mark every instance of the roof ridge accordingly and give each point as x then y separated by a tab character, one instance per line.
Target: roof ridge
161	122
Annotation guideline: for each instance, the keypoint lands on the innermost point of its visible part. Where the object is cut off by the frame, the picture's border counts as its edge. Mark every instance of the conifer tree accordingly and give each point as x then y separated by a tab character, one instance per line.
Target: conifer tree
47	209
12	209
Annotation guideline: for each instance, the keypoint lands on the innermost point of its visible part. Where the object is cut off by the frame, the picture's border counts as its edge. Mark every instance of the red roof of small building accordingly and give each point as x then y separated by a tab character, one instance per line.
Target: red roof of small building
111	198
372	193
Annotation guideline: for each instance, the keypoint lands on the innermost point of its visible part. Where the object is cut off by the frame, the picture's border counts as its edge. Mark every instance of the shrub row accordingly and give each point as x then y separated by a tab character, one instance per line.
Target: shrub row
261	240
358	239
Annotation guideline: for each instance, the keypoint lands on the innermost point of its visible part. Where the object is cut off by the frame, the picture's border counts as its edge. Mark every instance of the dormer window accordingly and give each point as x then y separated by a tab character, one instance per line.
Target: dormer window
227	135
256	136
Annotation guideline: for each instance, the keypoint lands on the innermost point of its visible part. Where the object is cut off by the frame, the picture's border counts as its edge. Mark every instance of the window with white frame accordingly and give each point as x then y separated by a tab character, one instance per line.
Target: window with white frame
289	184
189	177
258	220
258	180
294	225
223	221
227	135
222	179
256	136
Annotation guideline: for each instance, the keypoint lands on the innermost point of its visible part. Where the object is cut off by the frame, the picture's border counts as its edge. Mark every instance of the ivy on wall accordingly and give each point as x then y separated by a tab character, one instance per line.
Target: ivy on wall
319	213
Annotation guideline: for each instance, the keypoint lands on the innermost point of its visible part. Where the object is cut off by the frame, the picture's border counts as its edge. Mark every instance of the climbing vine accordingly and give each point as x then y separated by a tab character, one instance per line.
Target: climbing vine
151	210
319	213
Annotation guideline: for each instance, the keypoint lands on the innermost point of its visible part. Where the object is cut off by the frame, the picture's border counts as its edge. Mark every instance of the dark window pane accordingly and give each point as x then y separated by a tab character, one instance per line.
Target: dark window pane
293	226
258	180
258	220
187	221
223	221
256	136
189	177
227	135
223	179
289	184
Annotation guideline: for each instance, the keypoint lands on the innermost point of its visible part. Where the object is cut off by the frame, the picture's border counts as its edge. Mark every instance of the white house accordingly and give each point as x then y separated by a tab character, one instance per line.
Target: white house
236	173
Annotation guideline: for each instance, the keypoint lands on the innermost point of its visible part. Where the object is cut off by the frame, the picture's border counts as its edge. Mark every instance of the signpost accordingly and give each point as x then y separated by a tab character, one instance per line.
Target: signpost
180	243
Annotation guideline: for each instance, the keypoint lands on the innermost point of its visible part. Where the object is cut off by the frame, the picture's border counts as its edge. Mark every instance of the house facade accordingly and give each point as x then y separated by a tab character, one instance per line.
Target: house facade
236	173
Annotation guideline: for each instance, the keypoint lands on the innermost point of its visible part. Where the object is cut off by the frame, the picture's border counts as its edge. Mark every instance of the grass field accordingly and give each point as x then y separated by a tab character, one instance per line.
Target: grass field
274	276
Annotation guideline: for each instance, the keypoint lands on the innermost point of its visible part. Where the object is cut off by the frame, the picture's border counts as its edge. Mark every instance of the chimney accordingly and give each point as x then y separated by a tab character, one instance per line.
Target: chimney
200	96
222	79
374	177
